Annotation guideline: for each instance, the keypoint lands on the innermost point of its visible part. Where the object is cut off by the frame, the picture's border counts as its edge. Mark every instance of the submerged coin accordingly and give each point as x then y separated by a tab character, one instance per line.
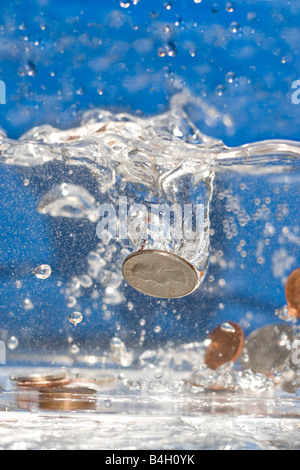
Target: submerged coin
292	293
39	380
266	349
226	344
67	399
160	274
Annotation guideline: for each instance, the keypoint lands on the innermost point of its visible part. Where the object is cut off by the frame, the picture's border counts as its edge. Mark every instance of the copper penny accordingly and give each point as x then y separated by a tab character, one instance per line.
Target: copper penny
292	293
67	398
226	344
40	380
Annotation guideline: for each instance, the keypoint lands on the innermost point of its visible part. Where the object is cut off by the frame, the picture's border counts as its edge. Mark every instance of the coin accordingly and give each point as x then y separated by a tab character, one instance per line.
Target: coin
67	398
292	293
40	380
266	349
226	344
160	274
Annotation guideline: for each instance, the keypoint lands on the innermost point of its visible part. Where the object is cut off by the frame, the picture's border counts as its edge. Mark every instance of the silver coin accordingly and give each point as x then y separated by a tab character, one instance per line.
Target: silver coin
160	274
266	349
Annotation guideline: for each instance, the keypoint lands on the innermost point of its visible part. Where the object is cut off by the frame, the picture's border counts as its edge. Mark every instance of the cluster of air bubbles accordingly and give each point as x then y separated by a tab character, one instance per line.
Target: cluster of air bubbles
128	3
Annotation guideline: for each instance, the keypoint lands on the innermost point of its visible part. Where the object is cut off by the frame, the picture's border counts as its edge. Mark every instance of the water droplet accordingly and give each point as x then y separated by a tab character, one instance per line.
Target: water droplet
12	343
148	356
43	271
75	318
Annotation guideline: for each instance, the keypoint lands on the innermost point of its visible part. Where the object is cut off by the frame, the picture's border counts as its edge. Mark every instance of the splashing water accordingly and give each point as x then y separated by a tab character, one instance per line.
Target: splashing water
149	160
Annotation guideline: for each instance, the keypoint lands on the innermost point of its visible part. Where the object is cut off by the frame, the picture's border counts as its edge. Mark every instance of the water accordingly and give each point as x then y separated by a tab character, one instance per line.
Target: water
150	160
138	364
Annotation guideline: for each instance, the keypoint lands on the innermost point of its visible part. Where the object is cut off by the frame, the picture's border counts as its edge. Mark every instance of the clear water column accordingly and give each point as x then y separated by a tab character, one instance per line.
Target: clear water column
168	226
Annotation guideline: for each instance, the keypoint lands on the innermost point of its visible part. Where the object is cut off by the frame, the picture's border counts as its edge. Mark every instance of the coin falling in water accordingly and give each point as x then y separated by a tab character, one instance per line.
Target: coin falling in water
43	271
292	293
160	274
266	349
226	344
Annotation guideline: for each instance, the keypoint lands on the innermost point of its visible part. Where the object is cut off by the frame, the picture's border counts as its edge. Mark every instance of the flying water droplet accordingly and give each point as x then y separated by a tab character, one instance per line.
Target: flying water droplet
43	271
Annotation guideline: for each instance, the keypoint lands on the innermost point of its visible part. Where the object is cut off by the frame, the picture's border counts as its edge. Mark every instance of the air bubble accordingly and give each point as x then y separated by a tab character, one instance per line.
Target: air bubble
12	343
75	318
230	77
71	301
219	90
234	27
43	271
229	7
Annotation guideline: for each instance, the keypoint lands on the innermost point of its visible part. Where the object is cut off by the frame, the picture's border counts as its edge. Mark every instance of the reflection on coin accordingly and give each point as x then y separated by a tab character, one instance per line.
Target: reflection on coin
266	349
292	293
40	380
160	274
67	399
226	344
